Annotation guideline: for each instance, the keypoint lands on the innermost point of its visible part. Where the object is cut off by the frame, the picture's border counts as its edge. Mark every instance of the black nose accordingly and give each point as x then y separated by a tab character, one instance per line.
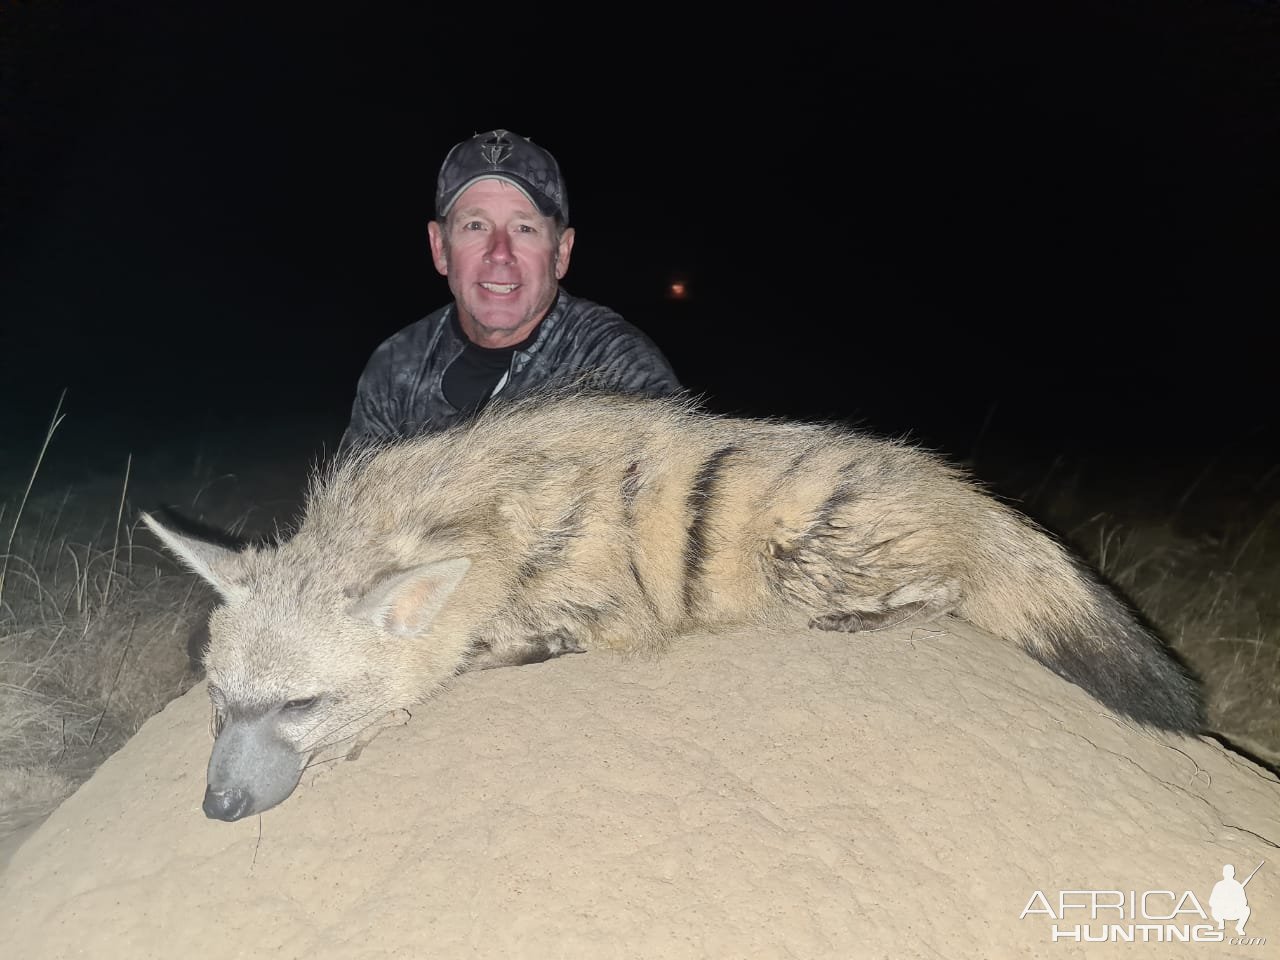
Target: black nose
230	804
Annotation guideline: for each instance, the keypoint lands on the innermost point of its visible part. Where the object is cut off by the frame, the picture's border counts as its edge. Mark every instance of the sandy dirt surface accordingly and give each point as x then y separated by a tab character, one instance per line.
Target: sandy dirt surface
753	794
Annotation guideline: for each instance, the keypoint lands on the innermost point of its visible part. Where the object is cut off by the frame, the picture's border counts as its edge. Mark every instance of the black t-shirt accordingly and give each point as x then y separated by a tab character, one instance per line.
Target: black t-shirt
471	379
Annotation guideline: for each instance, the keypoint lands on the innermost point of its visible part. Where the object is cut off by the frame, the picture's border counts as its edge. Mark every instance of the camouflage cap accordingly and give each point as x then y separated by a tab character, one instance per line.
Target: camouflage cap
503	155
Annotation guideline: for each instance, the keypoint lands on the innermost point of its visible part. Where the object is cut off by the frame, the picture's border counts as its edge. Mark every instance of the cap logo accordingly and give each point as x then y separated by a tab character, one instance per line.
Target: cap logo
497	148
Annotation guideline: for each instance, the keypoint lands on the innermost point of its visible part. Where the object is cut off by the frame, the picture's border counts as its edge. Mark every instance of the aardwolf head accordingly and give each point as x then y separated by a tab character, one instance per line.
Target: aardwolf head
298	658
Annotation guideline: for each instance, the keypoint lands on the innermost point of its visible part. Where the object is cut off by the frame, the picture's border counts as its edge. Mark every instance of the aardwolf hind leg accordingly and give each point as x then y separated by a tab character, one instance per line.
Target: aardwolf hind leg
920	611
534	650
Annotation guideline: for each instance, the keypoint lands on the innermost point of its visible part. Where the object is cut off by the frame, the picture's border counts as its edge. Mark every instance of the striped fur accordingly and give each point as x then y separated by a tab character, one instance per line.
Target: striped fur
577	522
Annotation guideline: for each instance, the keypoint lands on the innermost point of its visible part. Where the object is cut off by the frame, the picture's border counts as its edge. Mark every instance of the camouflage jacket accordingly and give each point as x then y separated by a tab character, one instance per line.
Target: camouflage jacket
400	392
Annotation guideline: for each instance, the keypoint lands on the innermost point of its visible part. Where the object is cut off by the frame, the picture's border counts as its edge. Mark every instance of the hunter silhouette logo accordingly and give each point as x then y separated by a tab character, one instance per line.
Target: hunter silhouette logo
1228	900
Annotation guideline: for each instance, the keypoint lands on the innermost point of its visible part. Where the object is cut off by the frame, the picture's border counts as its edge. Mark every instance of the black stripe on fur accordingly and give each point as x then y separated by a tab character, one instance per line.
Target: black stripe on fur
698	502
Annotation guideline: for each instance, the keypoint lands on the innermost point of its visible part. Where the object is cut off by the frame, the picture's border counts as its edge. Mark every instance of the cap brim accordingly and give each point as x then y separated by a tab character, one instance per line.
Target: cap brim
544	204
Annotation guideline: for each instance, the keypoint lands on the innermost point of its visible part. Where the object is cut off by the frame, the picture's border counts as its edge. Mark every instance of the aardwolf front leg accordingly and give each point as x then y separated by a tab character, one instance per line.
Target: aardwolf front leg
396	718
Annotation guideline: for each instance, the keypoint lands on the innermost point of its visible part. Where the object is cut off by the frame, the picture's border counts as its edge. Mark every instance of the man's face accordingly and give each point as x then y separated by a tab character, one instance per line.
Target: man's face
502	260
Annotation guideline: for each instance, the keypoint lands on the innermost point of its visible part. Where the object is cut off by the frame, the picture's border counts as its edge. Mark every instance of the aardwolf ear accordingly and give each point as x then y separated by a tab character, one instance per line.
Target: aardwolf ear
213	563
407	603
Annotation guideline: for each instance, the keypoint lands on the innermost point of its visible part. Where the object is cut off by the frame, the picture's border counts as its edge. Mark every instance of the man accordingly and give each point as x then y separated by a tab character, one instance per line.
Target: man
502	238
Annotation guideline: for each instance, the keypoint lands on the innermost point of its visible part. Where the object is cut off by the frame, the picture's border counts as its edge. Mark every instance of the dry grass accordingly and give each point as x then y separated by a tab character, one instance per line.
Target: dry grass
95	621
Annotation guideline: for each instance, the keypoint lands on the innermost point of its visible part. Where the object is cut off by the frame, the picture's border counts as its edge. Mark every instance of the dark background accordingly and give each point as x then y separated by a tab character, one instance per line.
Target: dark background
1031	227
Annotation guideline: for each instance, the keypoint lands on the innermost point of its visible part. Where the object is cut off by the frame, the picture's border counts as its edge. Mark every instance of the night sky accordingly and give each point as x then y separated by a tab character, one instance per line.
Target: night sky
1057	220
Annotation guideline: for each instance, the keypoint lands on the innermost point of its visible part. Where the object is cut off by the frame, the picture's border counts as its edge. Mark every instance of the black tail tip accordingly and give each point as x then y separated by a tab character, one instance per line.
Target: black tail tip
1131	673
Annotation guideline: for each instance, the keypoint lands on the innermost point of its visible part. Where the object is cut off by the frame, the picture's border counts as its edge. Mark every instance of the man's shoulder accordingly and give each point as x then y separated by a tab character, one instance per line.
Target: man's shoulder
414	337
590	336
578	314
409	345
417	332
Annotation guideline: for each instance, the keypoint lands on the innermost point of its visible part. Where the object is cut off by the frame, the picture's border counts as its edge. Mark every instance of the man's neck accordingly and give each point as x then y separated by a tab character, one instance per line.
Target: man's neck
500	339
497	339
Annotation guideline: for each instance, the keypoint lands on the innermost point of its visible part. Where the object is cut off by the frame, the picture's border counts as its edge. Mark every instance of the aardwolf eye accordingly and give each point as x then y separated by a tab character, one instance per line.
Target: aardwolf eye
300	704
